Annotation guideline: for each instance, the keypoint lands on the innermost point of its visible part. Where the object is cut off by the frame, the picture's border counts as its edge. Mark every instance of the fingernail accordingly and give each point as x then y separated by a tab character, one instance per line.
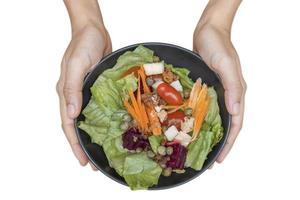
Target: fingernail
71	110
236	108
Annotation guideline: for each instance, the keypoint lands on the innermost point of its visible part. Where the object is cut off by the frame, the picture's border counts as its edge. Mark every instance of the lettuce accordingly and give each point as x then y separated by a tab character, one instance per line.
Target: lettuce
103	116
115	154
199	149
140	172
210	134
183	73
129	59
155	141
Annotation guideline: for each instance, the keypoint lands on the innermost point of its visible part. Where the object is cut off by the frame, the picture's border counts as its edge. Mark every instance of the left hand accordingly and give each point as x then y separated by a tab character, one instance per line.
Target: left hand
215	47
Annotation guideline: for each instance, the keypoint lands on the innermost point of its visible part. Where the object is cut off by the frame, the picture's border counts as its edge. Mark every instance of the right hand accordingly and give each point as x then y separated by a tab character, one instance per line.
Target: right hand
87	47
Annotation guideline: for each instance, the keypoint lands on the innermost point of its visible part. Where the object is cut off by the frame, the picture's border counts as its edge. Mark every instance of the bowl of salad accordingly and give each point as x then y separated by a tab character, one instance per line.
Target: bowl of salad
153	116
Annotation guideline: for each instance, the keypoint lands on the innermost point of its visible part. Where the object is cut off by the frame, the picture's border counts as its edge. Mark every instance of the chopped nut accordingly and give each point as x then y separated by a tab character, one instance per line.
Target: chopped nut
150	100
162	115
187	124
169	76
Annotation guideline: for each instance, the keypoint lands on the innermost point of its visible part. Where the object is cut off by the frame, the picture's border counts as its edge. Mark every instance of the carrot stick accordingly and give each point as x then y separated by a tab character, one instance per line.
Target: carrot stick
143	77
200	118
144	113
194	93
155	126
201	97
139	101
178	107
131	111
136	108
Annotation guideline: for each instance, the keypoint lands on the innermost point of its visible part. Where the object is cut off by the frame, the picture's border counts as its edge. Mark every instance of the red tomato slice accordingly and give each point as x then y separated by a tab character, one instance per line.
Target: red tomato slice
175	119
169	94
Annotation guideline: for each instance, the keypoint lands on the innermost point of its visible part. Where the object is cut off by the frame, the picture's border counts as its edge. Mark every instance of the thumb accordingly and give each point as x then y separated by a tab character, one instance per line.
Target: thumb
74	76
228	71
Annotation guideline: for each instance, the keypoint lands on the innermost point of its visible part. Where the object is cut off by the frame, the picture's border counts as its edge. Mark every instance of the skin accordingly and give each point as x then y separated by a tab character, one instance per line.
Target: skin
91	41
212	41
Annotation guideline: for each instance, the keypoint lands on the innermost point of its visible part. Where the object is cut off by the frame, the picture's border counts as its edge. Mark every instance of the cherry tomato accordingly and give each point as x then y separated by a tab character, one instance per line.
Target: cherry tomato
175	119
169	94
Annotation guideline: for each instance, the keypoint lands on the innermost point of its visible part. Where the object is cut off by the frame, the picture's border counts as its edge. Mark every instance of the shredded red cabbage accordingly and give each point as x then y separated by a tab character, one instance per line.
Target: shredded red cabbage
177	158
133	139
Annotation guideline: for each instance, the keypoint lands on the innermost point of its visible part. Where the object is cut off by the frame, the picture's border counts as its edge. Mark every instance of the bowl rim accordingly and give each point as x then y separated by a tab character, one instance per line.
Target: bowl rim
92	160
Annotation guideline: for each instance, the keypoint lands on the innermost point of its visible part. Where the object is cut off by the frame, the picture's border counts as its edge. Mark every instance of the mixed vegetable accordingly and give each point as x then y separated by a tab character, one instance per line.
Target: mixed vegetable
151	119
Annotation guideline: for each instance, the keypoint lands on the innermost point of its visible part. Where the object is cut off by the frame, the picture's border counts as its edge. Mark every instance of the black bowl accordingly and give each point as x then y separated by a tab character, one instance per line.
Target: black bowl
171	54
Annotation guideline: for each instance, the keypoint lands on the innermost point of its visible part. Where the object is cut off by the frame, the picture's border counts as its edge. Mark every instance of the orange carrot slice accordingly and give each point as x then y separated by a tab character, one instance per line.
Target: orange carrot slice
194	94
200	118
131	110
201	98
143	77
154	122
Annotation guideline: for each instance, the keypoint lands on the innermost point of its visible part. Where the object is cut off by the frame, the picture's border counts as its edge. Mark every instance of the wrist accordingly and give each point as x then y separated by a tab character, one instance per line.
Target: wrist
84	14
88	25
219	14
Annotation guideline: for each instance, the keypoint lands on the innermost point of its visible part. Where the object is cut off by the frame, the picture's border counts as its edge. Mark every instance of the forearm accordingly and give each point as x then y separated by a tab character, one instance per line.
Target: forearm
220	13
84	13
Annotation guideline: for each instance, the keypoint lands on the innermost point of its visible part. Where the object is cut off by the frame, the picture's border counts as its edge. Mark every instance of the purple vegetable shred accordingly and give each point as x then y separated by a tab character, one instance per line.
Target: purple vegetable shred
177	158
133	139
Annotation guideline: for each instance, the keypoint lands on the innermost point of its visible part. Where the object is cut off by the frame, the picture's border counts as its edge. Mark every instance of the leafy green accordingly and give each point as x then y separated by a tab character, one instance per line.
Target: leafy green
199	149
104	112
129	59
115	154
103	116
140	172
210	134
213	109
155	141
183	75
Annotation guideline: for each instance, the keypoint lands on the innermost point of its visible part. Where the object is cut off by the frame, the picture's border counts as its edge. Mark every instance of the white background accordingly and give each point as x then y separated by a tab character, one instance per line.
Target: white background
36	161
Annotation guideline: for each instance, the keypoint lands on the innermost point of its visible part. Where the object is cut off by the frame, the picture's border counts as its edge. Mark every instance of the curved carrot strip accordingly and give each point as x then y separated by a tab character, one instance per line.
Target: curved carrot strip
143	77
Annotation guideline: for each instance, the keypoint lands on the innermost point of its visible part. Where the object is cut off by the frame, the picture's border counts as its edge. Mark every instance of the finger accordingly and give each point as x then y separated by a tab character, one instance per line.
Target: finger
76	69
68	128
68	125
236	125
93	166
228	70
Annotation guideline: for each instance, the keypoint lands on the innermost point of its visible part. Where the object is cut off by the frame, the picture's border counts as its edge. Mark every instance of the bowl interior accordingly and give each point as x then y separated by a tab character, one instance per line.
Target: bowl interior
171	54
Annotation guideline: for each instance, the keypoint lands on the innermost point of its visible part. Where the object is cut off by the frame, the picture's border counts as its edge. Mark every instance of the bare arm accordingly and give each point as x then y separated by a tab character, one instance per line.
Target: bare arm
84	13
90	42
212	41
220	13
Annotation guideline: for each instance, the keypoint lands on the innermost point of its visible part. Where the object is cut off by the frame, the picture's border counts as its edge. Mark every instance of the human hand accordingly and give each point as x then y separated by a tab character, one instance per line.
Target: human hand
214	45
87	47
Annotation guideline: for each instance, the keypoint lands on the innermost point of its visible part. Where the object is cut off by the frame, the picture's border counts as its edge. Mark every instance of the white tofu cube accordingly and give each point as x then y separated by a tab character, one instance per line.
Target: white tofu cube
177	85
171	133
183	138
154	68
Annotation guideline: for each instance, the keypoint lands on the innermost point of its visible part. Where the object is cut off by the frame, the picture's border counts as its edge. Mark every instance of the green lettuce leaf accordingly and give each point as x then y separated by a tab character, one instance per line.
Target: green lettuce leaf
183	73
155	141
103	116
199	149
213	109
210	134
128	60
140	172
115	154
104	104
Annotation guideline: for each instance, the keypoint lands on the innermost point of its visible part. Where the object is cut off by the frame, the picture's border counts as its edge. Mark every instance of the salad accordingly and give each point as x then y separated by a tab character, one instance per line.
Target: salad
151	119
